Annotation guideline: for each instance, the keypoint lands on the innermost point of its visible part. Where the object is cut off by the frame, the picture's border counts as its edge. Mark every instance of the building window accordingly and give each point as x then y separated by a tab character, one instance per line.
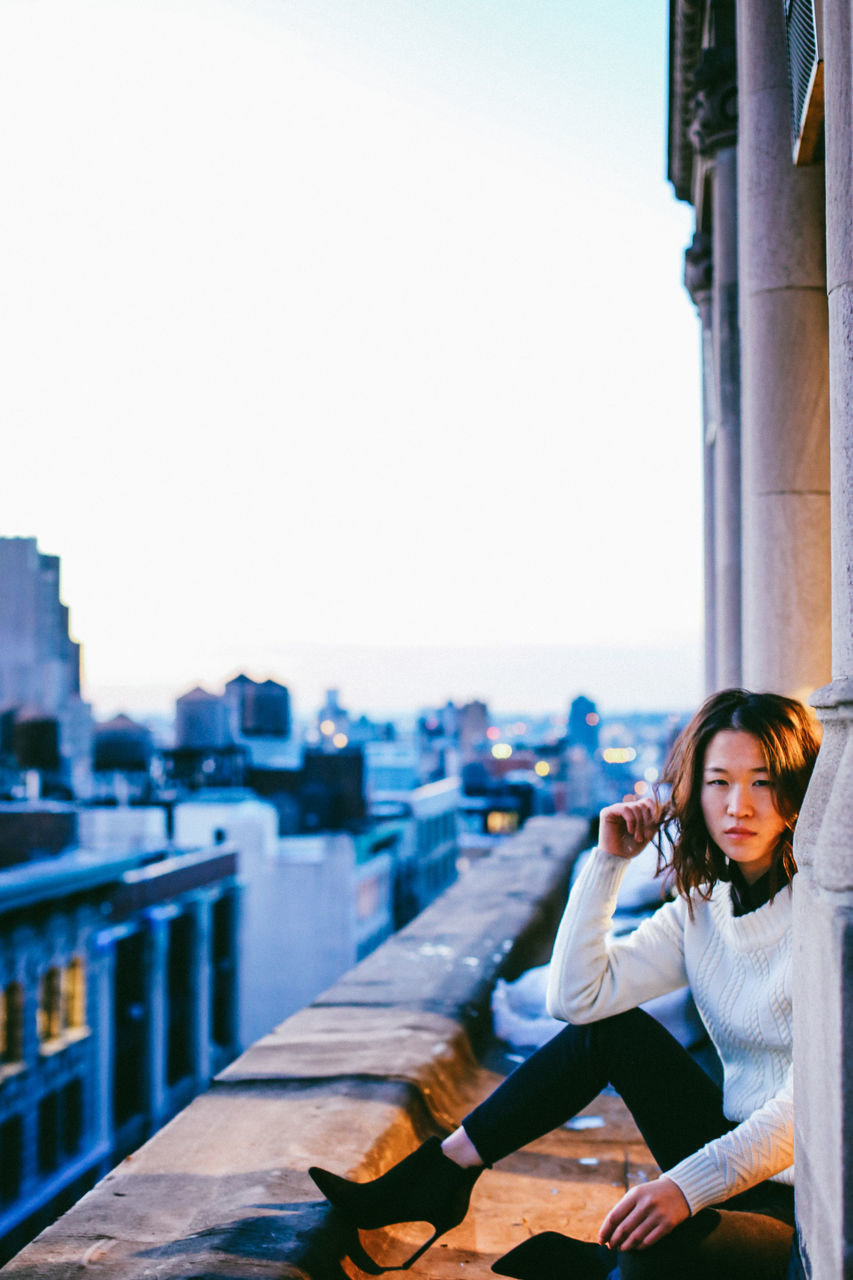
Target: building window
12	1024
71	1117
11	1165
74	995
60	1126
222	973
48	1134
501	823
49	1017
130	1022
180	1042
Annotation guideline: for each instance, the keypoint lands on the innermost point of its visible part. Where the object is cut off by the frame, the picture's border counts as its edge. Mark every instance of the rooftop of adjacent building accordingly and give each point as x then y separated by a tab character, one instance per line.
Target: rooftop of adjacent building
49	863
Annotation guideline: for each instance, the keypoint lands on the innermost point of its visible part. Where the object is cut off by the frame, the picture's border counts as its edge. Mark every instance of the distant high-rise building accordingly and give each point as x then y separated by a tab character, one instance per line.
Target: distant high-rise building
473	721
39	662
333	722
584	722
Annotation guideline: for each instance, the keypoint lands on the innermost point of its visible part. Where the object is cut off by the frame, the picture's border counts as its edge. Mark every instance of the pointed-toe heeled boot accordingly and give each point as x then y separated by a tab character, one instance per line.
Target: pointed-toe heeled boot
551	1256
425	1187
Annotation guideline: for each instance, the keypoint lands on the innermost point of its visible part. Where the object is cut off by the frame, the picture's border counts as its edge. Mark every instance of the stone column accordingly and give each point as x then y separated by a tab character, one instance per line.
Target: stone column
714	135
698	271
823	889
784	361
728	464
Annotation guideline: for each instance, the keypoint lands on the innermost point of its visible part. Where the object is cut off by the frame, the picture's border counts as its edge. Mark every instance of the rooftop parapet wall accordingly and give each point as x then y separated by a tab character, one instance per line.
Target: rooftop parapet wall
380	1060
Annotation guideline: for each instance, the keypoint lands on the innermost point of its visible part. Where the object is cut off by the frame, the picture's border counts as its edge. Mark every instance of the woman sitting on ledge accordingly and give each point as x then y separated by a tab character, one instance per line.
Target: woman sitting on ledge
724	1205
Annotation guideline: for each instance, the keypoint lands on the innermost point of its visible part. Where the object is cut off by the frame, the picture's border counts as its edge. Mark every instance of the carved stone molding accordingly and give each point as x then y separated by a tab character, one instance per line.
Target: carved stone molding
823	832
698	267
685	43
714	102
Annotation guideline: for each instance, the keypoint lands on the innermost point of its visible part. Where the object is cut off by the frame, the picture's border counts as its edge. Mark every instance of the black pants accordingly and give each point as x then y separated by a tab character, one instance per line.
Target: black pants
677	1108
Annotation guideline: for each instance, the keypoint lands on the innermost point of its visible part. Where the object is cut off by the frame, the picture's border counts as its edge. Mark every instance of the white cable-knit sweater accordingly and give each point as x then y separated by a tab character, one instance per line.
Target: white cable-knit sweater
739	971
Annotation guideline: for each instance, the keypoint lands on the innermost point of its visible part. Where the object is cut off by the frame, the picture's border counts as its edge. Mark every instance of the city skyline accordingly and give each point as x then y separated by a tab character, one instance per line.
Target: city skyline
364	329
375	681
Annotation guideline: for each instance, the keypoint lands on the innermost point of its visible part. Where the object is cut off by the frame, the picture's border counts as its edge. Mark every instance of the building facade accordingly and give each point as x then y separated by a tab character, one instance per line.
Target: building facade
761	143
118	981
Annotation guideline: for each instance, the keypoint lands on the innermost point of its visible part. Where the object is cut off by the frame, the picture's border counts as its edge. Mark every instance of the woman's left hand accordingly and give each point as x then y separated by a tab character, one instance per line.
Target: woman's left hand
645	1215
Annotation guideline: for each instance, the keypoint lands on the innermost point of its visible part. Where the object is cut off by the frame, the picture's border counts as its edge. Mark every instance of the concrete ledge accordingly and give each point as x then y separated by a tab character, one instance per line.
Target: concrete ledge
383	1058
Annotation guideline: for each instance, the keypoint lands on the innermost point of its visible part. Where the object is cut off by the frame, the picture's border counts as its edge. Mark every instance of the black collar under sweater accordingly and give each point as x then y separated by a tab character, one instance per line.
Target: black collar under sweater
748	897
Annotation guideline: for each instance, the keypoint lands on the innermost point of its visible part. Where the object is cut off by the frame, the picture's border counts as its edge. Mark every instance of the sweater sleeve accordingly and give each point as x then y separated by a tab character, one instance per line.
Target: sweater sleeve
758	1148
593	976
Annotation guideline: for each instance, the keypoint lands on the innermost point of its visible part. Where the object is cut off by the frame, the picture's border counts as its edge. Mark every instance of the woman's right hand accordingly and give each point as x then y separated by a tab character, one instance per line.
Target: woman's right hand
627	827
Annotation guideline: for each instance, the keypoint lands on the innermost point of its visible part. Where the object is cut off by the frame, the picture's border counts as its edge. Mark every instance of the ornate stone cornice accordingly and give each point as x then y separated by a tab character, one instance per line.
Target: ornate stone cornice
686	20
714	123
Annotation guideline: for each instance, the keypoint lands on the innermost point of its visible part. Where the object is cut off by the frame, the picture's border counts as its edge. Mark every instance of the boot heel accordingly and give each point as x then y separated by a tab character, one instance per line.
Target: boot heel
425	1187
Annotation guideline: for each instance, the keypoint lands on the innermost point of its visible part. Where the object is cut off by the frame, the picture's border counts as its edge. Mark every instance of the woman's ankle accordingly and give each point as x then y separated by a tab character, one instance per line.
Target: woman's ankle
459	1148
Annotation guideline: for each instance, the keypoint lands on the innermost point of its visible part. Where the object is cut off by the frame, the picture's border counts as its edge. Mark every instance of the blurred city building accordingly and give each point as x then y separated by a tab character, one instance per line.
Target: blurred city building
333	723
205	753
333	885
583	726
426	819
45	726
122	755
118	989
324	850
261	709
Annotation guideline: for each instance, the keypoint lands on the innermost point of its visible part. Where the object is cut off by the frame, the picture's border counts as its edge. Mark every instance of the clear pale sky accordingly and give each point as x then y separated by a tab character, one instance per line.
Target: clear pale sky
345	341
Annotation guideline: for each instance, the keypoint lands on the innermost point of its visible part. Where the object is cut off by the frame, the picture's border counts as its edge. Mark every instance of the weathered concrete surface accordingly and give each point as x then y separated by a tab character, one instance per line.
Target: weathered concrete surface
429	1052
222	1191
354	1082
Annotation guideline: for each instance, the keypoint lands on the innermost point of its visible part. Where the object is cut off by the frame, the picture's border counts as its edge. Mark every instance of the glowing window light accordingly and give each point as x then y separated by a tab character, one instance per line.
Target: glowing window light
502	751
592	718
340	740
499	823
543	768
327	727
619	755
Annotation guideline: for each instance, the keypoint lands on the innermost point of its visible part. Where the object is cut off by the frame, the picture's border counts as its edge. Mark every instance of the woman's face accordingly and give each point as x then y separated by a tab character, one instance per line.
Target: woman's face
738	802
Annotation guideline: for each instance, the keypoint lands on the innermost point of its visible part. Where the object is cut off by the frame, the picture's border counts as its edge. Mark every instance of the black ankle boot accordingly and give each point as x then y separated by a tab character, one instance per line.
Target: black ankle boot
550	1256
425	1187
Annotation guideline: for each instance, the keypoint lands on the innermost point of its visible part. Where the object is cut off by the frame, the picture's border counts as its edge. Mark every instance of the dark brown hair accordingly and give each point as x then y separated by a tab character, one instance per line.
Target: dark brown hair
790	737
